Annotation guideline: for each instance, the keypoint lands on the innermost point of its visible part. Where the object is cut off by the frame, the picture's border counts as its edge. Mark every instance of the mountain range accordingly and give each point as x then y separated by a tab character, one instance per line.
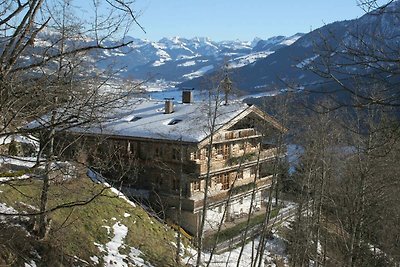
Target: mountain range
348	49
363	47
180	59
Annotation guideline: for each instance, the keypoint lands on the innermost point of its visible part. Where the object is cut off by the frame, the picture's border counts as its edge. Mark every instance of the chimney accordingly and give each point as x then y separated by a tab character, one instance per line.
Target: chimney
169	105
187	96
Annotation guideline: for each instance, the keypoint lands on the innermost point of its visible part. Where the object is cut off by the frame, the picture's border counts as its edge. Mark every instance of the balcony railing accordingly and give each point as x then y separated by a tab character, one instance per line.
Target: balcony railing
200	166
217	196
236	135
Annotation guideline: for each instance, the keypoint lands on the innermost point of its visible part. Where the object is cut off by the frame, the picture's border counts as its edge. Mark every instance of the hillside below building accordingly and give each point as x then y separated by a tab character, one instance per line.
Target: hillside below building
168	150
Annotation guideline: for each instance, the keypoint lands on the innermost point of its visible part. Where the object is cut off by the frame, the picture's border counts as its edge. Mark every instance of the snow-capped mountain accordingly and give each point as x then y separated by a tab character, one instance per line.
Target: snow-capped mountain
352	48
173	59
180	59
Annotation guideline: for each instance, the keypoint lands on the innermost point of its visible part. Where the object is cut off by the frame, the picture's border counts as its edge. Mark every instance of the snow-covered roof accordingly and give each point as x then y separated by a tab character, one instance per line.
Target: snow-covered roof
6	139
145	118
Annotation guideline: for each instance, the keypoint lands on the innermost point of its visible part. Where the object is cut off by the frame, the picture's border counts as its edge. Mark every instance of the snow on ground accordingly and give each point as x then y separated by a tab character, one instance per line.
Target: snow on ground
22	177
95	259
159	86
108	228
28	206
113	256
30	264
294	153
120	195
135	256
6	209
306	62
287	206
275	249
187	63
291	39
164	56
20	139
259	95
247	59
184	57
198	73
98	178
28	162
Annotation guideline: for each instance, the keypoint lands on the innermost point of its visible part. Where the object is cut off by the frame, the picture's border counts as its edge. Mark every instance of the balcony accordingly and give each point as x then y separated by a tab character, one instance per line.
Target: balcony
222	195
200	166
235	135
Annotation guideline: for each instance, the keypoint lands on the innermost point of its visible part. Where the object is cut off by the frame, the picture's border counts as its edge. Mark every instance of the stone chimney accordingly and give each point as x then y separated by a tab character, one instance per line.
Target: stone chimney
187	96
169	105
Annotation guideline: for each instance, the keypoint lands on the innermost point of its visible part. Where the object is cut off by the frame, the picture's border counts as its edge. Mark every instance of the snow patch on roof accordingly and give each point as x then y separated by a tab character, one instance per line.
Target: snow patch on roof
193	127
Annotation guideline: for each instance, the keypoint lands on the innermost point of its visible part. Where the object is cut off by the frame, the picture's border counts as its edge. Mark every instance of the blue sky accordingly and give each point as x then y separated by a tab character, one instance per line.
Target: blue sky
235	19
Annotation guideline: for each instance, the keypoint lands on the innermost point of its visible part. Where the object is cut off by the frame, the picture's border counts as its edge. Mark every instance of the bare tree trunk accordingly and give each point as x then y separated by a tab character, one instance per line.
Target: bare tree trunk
46	181
224	212
253	194
178	237
200	236
264	231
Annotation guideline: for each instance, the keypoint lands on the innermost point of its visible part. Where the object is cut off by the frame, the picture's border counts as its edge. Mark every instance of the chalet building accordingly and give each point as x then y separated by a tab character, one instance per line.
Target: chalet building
171	148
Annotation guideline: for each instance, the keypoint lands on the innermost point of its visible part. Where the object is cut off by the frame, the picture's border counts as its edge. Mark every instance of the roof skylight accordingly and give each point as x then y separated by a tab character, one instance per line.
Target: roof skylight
135	119
174	121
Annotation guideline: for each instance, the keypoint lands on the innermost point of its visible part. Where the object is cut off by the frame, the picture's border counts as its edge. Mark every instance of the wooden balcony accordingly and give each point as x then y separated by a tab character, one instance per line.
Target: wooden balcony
235	135
200	166
196	200
219	196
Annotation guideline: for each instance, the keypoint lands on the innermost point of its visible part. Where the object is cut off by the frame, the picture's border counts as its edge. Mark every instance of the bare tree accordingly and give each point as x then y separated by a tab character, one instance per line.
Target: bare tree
364	67
44	66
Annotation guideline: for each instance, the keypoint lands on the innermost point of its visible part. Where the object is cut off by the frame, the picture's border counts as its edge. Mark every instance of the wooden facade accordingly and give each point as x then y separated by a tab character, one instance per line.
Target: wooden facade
173	171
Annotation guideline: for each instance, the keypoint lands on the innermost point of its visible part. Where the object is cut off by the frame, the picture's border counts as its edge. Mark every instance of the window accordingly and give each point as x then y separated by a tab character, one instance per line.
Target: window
229	135
223	149
176	154
204	153
158	152
253	170
240	175
218	179
174	121
196	186
219	149
175	184
225	181
241	146
196	155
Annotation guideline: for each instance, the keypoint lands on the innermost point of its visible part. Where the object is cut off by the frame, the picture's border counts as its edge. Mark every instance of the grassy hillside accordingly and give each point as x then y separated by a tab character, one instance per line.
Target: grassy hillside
108	229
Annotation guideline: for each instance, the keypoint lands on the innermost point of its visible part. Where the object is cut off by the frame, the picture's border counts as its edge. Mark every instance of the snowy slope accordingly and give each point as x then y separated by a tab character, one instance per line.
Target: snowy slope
170	59
342	45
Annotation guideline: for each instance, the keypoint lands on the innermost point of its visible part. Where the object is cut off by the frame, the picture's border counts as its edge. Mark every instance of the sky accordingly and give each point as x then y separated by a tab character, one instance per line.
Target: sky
238	19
